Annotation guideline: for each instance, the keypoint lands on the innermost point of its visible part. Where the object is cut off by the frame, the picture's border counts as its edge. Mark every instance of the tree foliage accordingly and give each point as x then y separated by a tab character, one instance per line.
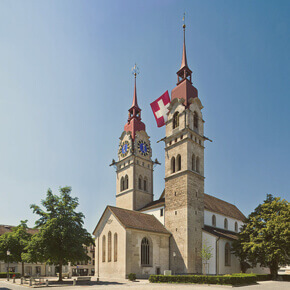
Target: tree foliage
206	254
16	242
61	237
265	235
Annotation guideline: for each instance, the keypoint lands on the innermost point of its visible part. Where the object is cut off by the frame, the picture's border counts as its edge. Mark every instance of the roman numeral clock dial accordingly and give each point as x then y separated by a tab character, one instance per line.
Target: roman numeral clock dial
143	148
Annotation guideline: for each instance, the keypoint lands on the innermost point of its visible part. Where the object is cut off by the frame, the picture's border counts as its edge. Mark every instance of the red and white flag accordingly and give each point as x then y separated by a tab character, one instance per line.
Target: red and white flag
160	109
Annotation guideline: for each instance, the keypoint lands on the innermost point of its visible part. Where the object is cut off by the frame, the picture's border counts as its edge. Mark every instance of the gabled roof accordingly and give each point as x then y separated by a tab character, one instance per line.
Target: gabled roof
211	203
5	229
220	233
156	203
222	207
136	220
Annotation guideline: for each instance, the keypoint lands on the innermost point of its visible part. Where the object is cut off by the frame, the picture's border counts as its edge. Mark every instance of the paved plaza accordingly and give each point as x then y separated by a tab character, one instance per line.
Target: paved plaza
145	285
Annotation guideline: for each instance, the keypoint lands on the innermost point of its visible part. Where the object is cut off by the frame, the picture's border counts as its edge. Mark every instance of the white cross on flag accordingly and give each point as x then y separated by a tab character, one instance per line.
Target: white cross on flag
160	109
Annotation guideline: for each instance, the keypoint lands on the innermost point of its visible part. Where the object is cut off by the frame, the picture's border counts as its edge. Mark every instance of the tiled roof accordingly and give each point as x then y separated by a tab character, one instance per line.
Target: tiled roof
137	220
5	229
211	203
217	205
153	204
221	233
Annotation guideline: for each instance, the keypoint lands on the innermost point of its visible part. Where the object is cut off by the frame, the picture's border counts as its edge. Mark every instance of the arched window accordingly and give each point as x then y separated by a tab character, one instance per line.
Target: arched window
226	224
197	165
126	182
178	159
104	249
140	182
109	247
145	184
213	220
145	252
236	227
195	120
122	184
227	254
175	120
193	162
173	164
115	247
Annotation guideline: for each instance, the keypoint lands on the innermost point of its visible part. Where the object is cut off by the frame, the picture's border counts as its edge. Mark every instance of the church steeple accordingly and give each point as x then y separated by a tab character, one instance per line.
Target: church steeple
184	71
134	123
184	89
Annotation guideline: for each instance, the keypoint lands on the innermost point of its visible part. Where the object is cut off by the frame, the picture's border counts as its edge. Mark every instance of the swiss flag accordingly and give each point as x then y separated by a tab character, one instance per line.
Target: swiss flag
160	109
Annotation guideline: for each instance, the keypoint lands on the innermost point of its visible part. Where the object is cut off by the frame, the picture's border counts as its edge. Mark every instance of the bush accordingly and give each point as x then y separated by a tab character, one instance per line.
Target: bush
236	279
132	276
264	277
4	274
284	277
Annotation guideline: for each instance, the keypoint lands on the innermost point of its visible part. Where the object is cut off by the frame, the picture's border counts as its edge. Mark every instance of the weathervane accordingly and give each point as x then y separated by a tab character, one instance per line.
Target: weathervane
135	70
183	19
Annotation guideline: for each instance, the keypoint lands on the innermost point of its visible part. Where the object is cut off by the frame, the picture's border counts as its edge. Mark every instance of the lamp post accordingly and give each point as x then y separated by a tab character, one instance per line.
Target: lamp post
8	254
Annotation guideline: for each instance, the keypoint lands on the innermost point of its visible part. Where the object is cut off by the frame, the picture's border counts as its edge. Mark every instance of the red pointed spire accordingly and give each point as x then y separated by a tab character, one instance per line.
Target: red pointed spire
184	59
135	103
134	123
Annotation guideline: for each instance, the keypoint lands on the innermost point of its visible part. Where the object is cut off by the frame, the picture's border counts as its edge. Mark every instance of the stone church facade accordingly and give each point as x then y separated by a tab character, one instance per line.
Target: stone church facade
145	236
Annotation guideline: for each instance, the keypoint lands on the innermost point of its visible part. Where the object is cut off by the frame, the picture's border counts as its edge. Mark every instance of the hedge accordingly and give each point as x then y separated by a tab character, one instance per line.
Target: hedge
4	274
235	279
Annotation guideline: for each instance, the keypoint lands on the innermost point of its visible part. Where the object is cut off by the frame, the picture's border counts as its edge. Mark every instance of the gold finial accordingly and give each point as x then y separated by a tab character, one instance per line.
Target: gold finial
135	70
183	19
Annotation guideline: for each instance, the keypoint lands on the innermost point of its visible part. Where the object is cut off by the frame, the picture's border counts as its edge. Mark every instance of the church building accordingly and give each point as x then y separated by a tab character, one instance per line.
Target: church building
145	236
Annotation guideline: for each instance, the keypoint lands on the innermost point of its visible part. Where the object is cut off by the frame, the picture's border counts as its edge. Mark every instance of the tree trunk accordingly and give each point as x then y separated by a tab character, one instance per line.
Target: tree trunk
60	272
274	270
22	269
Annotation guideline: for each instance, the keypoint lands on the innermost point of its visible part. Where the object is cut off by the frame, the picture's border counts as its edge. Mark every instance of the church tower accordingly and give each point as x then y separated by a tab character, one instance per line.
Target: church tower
184	173
134	188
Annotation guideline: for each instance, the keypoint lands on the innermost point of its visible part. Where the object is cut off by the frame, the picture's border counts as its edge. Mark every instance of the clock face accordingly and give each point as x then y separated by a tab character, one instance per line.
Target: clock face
124	148
143	147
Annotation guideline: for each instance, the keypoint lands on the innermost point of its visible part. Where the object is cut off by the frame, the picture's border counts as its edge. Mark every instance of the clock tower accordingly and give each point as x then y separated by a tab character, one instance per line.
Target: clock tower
134	168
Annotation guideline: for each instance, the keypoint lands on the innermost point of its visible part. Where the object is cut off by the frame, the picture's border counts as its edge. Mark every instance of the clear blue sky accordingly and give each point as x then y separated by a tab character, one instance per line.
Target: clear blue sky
66	86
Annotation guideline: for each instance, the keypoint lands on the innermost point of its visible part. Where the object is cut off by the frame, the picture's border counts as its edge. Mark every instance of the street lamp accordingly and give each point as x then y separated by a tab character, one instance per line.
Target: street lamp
8	254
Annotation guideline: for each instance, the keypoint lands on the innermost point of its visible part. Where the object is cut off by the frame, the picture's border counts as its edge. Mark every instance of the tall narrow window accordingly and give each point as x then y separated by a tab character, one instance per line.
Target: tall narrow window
226	224
175	120
140	182
115	247
126	182
173	164
213	220
178	158
193	162
236	227
145	252
109	247
197	165
145	184
122	184
227	254
104	249
195	120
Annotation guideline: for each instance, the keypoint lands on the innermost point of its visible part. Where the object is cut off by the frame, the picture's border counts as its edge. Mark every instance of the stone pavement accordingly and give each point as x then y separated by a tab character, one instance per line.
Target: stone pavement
145	285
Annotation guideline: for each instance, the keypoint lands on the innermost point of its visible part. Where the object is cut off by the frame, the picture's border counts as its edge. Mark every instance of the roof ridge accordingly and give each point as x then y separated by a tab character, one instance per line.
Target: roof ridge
219	199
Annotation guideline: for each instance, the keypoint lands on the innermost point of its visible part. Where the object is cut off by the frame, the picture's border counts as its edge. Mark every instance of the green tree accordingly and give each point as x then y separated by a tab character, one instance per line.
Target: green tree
265	236
16	242
206	254
61	237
